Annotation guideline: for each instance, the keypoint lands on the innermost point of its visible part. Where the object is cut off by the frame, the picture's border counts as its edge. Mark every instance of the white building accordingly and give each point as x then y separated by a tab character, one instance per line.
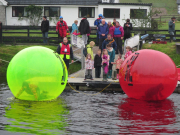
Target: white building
73	10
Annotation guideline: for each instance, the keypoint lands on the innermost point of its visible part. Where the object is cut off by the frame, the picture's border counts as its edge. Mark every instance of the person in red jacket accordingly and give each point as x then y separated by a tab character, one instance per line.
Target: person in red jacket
62	28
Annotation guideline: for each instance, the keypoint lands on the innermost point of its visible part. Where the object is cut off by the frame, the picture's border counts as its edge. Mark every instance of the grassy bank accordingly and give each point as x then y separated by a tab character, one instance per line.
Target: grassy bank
8	52
169	49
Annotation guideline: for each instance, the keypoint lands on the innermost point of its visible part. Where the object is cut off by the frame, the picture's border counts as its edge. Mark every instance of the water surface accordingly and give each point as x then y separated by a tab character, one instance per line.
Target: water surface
74	113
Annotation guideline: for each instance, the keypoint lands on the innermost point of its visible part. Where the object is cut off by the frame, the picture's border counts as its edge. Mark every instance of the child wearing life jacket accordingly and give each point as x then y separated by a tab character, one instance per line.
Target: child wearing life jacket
105	64
75	33
89	64
118	63
128	52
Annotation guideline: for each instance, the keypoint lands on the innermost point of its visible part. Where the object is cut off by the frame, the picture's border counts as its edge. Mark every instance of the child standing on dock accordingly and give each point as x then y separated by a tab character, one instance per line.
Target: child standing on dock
105	64
128	52
90	49
89	66
111	53
97	64
118	63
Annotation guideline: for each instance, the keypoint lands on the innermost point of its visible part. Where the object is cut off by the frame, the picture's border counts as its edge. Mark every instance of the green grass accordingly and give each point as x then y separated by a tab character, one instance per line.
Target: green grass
169	5
8	52
169	49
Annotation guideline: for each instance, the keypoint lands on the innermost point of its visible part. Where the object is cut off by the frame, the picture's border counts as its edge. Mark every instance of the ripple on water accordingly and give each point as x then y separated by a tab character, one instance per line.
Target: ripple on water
74	113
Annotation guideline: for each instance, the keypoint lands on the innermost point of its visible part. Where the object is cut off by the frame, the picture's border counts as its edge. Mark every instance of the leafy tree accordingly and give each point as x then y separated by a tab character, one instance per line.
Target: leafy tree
33	14
143	20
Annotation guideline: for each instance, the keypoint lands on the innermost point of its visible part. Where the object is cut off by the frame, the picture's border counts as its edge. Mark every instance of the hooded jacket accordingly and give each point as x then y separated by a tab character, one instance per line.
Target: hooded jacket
111	53
106	41
74	27
62	28
45	26
127	30
84	27
97	22
171	26
111	30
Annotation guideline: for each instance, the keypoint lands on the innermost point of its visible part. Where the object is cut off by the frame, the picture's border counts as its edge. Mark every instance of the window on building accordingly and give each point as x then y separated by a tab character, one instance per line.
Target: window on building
52	11
111	13
18	11
89	12
138	13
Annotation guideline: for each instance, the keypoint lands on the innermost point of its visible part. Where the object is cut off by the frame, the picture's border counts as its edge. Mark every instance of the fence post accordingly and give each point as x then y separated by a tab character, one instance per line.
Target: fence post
82	57
1	32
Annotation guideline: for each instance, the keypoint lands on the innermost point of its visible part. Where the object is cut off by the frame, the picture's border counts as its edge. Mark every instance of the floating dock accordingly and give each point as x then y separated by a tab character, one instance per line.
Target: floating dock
97	85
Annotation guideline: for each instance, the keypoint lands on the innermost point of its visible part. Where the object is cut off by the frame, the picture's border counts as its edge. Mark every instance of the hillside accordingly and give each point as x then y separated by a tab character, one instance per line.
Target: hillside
166	6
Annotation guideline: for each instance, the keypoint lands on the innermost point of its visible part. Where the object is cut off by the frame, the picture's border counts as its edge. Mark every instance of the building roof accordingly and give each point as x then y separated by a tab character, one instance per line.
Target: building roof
52	2
138	4
178	1
68	2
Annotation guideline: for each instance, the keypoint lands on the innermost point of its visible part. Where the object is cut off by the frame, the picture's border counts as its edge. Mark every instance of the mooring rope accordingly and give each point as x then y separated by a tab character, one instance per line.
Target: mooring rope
4	60
89	94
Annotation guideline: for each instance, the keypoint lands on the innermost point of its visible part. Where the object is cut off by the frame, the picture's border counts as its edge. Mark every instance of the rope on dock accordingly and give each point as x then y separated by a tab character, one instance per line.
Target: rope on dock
90	94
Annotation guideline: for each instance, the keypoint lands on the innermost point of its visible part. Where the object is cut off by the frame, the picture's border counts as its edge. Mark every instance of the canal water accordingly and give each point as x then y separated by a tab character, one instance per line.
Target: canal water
74	113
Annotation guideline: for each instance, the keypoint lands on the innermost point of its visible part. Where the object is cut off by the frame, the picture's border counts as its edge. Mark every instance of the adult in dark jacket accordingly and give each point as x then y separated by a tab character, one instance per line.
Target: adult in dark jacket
66	52
103	31
171	29
110	40
84	29
45	28
127	29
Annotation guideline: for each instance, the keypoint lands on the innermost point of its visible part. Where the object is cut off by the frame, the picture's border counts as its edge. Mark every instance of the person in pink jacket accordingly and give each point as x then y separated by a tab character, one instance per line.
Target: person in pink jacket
118	37
111	29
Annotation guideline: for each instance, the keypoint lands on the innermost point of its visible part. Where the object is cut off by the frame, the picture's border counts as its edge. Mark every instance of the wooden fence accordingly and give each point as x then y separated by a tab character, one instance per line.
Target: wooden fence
53	37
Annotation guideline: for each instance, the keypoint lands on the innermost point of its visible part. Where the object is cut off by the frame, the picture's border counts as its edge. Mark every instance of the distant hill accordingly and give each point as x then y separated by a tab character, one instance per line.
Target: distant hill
168	7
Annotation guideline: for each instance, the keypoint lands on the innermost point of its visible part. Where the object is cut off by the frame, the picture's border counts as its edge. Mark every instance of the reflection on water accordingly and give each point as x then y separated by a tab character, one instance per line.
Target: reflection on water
37	117
74	113
147	117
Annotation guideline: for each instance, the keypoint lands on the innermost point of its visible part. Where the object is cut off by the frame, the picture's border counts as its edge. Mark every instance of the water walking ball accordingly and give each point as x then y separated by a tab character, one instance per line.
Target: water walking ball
148	75
37	74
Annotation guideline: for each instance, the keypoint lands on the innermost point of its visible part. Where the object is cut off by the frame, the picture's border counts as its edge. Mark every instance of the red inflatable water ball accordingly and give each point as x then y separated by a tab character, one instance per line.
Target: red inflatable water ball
148	75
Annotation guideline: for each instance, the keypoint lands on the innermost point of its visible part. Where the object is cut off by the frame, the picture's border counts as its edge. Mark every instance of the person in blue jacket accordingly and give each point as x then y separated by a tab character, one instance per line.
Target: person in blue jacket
103	31
109	40
74	26
96	23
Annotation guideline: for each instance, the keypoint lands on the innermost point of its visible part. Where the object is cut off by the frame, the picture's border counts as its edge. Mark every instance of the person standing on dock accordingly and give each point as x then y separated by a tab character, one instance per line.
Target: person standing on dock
61	28
111	53
45	29
97	64
65	51
96	23
108	40
89	67
105	64
103	31
127	29
172	28
118	37
84	29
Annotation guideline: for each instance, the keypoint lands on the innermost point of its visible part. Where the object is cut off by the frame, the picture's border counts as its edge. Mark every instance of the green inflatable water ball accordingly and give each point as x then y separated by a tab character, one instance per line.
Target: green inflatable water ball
37	74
